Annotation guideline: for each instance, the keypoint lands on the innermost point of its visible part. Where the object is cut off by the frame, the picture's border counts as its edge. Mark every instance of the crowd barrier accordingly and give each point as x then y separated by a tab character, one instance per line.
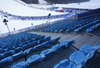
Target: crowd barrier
15	17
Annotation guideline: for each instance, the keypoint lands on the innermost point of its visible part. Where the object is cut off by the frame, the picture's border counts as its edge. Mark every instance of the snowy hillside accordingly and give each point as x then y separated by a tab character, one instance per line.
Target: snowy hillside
12	7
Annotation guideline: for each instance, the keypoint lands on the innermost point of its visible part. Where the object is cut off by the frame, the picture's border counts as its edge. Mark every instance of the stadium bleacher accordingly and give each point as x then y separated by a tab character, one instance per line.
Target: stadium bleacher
10	54
79	58
74	25
71	43
30	50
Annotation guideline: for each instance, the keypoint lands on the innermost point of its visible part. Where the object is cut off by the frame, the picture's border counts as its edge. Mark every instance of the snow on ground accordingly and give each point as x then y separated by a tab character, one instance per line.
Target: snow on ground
92	4
12	7
15	8
41	6
20	24
42	2
44	6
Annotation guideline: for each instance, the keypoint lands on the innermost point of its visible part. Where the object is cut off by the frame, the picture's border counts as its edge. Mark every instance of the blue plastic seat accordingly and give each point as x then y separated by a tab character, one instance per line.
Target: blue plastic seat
86	49
47	38
8	53
26	46
28	51
18	49
33	43
2	50
67	43
47	53
33	60
61	30
20	65
73	65
18	55
63	64
57	48
75	57
6	61
56	31
47	44
53	41
1	56
40	41
38	47
77	30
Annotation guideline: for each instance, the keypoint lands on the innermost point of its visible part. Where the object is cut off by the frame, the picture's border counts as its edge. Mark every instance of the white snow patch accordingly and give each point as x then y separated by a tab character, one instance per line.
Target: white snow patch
43	2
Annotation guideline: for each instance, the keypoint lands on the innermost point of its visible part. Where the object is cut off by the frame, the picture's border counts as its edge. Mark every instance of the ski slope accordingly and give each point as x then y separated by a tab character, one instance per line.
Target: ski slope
21	24
12	7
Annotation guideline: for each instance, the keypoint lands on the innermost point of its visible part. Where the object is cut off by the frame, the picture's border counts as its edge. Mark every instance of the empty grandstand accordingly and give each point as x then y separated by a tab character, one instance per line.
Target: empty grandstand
49	36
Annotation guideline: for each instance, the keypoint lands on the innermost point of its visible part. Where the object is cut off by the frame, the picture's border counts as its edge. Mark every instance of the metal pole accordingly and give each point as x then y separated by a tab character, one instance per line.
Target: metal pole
49	20
8	28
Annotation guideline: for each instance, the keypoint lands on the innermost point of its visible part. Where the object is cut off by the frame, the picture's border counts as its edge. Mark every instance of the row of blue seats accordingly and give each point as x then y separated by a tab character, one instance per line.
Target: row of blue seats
80	24
9	47
17	42
93	27
79	58
86	26
44	55
71	25
24	47
21	54
63	25
23	35
21	38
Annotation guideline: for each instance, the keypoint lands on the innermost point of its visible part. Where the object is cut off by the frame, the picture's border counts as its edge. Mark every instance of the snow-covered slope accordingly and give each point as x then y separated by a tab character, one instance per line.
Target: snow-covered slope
20	24
15	8
42	2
